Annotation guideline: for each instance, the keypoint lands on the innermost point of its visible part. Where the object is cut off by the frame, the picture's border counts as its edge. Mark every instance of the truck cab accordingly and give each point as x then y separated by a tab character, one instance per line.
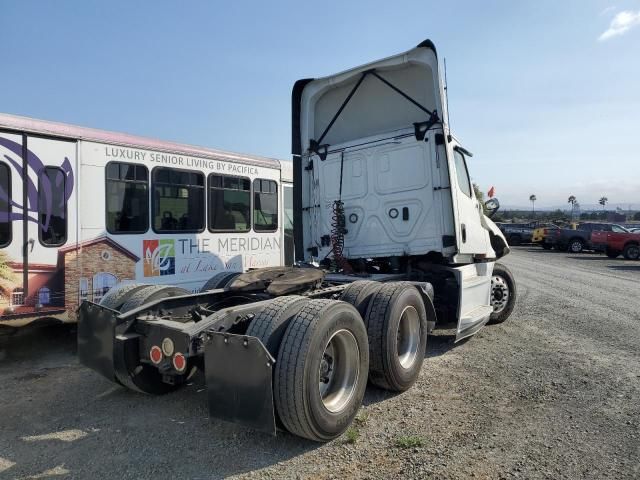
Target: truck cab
381	185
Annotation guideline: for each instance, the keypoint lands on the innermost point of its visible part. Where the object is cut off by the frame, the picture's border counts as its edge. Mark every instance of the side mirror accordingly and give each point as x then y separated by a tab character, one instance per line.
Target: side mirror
492	206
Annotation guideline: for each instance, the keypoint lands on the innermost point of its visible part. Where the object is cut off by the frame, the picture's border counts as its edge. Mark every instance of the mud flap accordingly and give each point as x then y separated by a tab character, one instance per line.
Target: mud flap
96	333
239	374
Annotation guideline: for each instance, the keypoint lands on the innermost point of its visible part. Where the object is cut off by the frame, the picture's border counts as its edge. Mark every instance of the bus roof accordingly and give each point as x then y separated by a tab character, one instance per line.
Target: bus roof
63	130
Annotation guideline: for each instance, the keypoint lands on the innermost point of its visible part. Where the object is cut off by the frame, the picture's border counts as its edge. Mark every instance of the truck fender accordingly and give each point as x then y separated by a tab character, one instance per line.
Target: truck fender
496	237
426	292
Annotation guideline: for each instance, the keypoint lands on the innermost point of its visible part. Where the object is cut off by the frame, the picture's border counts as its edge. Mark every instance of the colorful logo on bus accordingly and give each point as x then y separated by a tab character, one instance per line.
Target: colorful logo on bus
159	257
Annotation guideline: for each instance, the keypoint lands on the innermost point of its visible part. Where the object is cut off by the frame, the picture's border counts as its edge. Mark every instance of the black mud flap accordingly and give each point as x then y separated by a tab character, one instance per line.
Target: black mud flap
239	373
96	333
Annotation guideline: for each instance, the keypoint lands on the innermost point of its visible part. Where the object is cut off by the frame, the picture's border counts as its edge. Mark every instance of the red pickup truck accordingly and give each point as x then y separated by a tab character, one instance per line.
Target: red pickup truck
616	243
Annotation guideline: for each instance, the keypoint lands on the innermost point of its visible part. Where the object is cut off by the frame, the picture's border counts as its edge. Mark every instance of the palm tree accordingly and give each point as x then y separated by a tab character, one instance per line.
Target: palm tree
7	277
573	201
603	201
532	199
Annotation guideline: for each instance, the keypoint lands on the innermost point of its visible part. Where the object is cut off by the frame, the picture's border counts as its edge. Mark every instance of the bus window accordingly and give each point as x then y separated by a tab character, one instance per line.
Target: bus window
127	198
178	201
265	205
229	204
52	207
5	205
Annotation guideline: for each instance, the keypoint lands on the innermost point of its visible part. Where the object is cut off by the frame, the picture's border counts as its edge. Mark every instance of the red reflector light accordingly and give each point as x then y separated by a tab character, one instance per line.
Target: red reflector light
155	354
179	362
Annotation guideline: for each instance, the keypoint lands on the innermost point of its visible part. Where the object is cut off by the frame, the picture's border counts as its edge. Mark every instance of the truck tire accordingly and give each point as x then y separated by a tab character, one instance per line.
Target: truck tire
118	295
503	293
611	253
129	370
575	245
219	280
151	293
321	372
631	251
359	294
515	240
270	323
396	322
547	246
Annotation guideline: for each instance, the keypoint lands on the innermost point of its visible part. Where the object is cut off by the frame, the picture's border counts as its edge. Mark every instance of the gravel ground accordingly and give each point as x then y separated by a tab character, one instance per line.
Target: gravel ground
553	393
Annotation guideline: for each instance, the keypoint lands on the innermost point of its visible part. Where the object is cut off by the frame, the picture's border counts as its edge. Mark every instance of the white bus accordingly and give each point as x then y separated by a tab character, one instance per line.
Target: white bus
83	209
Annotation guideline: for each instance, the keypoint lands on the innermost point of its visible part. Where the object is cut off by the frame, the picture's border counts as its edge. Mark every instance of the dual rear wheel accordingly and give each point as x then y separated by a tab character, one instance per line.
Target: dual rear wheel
326	350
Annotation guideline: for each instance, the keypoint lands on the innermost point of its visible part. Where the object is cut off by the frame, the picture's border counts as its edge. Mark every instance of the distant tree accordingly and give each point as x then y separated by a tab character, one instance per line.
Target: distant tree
479	196
603	201
573	201
636	216
532	199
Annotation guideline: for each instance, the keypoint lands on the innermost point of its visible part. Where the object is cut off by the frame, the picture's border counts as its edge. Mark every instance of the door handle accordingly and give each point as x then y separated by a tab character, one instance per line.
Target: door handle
464	233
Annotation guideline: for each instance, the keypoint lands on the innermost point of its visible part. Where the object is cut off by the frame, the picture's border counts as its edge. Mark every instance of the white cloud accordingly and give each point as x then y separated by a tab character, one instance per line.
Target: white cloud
621	24
607	10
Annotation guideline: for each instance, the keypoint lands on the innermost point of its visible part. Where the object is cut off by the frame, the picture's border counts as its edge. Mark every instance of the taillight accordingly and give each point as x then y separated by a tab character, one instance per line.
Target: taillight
155	354
545	231
179	362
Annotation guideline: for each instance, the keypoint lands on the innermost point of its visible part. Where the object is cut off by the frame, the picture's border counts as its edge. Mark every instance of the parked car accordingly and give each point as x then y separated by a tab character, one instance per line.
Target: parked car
517	233
575	241
615	243
543	235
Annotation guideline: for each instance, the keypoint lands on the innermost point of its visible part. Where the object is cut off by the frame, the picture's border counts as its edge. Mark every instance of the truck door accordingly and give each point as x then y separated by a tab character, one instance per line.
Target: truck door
471	237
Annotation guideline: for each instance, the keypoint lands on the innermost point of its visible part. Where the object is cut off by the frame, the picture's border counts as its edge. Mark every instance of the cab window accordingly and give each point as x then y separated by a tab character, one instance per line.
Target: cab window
178	201
5	205
461	172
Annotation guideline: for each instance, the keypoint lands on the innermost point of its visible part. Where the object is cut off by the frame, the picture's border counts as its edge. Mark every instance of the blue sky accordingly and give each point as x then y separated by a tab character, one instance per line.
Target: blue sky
545	93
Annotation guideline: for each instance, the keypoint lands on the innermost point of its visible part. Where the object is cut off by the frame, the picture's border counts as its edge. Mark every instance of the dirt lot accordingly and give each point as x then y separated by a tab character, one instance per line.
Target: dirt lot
553	393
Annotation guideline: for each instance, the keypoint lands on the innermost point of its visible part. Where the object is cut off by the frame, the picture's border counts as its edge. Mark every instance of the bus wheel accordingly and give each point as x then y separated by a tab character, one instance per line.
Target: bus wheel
130	371
151	293
397	327
219	280
360	293
270	323
118	295
321	373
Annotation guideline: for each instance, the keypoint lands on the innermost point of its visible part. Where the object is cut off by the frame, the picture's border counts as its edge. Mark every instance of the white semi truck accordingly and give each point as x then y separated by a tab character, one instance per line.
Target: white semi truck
390	241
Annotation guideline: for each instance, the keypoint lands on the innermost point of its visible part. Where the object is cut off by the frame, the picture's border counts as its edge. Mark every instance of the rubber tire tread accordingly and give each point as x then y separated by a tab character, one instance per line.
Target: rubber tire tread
377	323
288	390
625	252
508	276
271	322
360	293
118	295
142	296
219	280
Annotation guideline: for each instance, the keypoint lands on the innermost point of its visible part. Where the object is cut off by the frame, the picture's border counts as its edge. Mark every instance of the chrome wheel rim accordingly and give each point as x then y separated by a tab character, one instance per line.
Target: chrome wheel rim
633	252
339	371
499	294
408	337
576	247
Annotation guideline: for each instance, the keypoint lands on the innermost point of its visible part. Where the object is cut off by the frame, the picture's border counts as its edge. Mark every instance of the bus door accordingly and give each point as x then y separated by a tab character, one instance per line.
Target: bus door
43	213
